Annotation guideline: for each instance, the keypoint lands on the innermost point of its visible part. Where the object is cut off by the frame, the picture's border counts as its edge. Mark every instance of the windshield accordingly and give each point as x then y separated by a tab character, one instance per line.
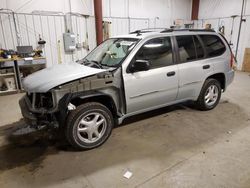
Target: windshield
111	52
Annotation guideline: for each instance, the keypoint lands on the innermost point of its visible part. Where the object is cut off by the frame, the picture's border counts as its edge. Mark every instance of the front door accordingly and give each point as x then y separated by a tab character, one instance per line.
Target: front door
157	86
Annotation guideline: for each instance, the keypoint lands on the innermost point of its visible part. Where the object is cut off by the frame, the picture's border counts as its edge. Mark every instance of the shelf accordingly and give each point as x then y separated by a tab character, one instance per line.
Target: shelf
8	92
7	74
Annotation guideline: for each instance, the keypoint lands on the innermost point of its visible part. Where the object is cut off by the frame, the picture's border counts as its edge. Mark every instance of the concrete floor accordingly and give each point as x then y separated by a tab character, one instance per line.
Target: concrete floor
172	147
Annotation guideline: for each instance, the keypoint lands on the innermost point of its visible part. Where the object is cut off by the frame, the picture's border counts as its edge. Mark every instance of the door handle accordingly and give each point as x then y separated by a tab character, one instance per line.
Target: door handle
206	67
171	73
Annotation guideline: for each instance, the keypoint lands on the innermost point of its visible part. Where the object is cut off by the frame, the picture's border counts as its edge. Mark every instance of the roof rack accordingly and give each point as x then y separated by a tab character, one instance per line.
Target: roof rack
146	30
168	30
195	30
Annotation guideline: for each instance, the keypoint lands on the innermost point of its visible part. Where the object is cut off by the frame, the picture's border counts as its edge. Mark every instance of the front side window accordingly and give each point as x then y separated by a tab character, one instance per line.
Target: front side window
158	52
213	45
111	52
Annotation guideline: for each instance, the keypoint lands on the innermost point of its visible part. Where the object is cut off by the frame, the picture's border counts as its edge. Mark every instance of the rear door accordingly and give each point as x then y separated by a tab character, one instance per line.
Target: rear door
197	61
192	64
157	86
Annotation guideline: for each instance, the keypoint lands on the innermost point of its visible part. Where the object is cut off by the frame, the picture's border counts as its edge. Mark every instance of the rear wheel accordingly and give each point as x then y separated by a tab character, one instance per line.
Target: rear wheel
210	95
89	125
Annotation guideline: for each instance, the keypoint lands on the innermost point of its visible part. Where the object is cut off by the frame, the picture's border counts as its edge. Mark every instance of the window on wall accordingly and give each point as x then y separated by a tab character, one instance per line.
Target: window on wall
213	45
186	48
158	52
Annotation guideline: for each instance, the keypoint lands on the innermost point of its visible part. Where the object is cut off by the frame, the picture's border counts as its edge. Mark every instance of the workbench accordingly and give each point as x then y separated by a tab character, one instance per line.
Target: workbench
19	65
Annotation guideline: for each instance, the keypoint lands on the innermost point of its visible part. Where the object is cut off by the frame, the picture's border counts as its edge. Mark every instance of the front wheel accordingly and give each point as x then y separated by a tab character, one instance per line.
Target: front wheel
210	95
89	125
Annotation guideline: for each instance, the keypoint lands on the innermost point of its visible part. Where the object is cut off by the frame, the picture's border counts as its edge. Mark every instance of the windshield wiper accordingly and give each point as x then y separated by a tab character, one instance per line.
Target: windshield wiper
82	61
107	65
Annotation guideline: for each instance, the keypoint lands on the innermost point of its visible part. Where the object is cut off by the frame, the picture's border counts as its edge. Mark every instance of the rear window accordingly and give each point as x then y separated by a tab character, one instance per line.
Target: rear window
213	45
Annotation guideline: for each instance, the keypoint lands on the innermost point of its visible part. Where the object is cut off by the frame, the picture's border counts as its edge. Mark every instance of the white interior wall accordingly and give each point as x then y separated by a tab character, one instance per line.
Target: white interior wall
164	9
142	13
222	8
27	6
219	12
157	13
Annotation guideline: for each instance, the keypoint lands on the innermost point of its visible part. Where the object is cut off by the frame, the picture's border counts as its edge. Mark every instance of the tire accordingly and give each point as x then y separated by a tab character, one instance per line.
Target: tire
89	126
202	103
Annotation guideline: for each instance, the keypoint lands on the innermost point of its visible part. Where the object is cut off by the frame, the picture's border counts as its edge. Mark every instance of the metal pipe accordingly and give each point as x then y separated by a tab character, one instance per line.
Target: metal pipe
129	20
87	34
34	27
238	39
98	21
19	29
50	42
17	32
11	32
1	23
232	28
27	29
195	9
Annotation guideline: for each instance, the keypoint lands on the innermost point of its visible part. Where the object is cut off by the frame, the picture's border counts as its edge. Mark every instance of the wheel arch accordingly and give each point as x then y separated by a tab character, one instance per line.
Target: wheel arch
99	97
221	78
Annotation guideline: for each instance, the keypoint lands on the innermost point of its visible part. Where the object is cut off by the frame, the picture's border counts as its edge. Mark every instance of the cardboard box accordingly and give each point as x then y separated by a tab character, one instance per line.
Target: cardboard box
246	61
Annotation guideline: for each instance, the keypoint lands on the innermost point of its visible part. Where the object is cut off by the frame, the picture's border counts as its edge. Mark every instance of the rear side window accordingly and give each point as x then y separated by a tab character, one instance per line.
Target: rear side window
190	48
213	45
199	49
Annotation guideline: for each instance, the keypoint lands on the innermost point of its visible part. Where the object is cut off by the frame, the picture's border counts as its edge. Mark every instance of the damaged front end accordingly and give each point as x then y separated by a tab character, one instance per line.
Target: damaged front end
38	109
47	87
52	107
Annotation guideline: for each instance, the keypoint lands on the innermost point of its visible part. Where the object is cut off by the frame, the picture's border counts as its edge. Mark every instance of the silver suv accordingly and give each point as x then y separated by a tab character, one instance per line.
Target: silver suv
125	76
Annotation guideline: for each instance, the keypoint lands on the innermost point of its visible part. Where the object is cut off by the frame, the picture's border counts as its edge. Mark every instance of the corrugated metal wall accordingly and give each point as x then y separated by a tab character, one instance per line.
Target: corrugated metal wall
50	28
31	27
123	25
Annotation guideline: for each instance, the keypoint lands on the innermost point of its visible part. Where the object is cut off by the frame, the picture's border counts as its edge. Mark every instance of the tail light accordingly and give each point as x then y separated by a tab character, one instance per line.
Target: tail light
232	61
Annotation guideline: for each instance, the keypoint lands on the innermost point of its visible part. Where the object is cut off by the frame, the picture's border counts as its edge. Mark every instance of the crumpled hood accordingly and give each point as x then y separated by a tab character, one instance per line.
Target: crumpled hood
44	80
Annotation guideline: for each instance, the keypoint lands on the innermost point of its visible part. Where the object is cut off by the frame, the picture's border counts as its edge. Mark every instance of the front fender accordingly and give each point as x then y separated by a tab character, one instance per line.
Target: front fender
81	97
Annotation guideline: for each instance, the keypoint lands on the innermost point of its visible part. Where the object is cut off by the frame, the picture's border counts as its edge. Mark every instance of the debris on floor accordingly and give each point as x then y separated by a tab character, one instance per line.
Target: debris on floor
229	132
26	130
127	174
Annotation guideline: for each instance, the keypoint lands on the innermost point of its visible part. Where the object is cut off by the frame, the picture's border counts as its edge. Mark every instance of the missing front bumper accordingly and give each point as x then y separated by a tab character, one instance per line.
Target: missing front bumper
29	117
34	118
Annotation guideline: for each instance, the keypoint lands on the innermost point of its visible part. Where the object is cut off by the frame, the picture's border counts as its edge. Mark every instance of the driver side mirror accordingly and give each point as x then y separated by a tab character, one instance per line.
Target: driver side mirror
139	65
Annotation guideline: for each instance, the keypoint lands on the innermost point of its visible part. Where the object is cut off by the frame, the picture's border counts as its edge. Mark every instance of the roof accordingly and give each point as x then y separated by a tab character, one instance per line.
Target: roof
144	33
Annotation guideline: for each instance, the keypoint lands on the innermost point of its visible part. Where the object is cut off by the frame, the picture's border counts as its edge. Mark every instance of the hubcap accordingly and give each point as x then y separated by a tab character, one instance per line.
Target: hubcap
91	127
211	95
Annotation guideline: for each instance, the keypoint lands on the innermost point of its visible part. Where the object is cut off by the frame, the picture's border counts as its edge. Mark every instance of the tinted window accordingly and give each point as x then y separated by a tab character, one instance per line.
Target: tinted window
158	52
186	48
199	49
213	44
